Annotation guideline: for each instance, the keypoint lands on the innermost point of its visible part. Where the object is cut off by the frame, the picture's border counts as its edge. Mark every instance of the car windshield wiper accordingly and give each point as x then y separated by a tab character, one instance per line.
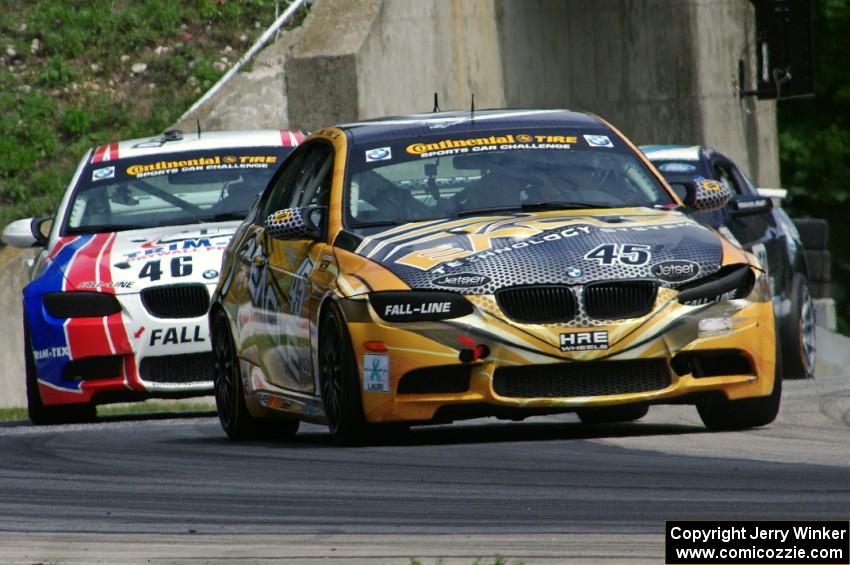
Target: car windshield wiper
532	206
490	210
563	206
223	217
101	228
375	224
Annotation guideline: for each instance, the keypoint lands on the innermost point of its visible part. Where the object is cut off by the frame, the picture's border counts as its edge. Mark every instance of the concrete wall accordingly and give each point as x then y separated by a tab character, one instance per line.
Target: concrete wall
253	99
663	71
13	276
369	58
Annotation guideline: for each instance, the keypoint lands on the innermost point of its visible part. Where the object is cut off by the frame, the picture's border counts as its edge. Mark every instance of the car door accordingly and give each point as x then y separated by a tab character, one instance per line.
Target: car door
288	267
255	291
756	232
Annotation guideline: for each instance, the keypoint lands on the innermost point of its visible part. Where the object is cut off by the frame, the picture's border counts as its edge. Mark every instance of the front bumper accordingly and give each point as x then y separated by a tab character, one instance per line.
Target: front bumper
127	356
526	373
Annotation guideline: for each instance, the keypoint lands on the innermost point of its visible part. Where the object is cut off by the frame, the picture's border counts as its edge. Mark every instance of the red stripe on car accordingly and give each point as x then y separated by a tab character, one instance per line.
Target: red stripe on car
86	338
98	154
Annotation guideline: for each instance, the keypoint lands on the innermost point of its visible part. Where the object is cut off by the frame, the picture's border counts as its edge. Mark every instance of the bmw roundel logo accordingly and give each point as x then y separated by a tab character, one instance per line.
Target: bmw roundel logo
573	272
210	274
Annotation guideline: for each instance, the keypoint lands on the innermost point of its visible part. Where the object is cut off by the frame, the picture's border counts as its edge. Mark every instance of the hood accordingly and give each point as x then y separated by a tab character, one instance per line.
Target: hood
127	261
483	254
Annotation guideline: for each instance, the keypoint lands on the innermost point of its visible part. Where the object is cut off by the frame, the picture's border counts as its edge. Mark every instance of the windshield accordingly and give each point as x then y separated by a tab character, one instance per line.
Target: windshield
465	173
170	189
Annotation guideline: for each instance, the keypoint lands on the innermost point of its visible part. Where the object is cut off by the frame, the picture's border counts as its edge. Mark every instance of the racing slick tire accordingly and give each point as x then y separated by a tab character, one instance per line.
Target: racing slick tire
230	405
612	414
797	333
724	414
42	415
814	233
340	386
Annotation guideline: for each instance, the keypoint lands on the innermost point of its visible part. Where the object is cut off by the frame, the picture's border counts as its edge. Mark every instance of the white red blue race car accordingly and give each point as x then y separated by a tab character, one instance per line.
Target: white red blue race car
116	307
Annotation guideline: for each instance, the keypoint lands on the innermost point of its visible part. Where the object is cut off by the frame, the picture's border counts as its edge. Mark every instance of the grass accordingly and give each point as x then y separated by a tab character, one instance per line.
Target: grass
67	81
497	560
129	409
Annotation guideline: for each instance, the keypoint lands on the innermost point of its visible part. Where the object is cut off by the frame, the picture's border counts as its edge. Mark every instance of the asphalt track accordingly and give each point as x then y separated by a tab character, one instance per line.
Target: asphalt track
548	490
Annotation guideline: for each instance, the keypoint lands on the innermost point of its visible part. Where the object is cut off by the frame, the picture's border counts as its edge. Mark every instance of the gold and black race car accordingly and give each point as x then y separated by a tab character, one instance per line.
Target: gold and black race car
435	267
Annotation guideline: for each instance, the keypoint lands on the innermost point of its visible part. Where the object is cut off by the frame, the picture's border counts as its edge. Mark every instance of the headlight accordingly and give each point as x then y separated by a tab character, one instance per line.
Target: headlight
419	306
80	304
730	282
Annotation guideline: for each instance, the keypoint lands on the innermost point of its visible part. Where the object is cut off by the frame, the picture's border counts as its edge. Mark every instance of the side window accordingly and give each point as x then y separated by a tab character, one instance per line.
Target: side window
312	186
274	194
747	187
723	173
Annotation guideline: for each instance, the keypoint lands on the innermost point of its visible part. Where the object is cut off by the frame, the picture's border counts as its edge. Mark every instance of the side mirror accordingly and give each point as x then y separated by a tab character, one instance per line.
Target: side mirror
746	205
778	195
706	195
27	233
295	223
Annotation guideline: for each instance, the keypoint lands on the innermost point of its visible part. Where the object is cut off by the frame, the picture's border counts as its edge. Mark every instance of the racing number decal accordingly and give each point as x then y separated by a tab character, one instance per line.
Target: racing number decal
180	267
625	254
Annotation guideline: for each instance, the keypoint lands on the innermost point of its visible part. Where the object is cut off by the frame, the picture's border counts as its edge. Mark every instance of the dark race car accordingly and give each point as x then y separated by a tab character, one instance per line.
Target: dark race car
751	219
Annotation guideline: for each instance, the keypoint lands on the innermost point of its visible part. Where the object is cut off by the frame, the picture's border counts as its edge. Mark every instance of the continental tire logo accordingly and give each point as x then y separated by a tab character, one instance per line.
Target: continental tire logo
462	280
675	271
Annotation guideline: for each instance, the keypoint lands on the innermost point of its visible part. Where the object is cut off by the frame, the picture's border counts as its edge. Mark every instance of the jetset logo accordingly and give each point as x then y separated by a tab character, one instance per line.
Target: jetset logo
479	244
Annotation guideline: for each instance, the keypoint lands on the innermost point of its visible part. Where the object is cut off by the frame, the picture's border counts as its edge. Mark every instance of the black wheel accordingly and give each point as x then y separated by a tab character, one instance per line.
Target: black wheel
814	233
233	414
612	414
340	387
798	334
42	415
723	414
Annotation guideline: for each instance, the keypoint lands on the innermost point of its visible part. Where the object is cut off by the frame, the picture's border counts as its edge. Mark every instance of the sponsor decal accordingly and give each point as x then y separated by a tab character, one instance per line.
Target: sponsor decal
620	254
201	164
210	274
746	204
379	154
455	253
573	272
175	336
51	352
105	284
709	184
419	306
376	373
584	341
461	280
103	174
677	168
675	271
409	310
598	140
159	248
493	142
139	332
729	295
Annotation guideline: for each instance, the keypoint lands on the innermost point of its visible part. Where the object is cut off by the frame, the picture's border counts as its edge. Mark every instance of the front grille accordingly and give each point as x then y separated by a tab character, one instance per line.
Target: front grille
539	304
715	363
445	378
181	369
581	378
176	301
619	299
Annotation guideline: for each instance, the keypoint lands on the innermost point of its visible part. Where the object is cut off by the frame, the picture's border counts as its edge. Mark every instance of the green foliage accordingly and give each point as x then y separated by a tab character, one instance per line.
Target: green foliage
66	88
814	143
